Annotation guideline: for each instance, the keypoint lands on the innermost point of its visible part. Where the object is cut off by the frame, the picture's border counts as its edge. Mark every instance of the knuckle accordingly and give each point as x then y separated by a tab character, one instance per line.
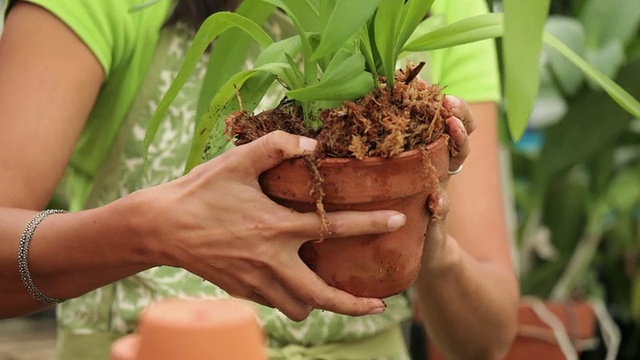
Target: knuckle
319	301
274	144
270	226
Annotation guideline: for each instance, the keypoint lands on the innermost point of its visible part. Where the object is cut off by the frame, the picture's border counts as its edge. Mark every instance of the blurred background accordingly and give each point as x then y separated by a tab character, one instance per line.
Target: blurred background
573	188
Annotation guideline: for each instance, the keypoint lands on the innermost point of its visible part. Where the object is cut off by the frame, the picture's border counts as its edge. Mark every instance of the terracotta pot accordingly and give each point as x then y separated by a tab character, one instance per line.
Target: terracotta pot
194	330
377	265
536	340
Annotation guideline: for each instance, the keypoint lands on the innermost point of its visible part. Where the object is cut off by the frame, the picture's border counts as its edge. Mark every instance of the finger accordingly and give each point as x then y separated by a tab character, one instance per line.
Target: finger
273	148
460	109
263	285
460	138
438	205
315	292
435	236
345	223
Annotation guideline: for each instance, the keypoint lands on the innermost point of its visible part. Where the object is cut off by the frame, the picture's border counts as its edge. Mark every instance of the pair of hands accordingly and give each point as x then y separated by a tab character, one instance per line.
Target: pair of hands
220	226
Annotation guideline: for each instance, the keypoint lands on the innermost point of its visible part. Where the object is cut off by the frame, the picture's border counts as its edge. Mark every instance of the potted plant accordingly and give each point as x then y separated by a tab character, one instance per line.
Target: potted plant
337	71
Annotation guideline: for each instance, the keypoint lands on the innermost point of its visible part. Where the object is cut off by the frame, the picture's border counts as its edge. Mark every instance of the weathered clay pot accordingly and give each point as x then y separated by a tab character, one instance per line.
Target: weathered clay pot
194	330
376	265
536	340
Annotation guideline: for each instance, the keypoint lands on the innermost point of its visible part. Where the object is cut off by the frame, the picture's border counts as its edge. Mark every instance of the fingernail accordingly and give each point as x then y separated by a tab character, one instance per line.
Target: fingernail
452	101
395	222
307	144
379	310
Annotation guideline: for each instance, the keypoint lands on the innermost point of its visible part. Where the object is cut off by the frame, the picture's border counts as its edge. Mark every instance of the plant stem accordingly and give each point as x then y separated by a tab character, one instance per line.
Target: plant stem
311	115
579	263
528	238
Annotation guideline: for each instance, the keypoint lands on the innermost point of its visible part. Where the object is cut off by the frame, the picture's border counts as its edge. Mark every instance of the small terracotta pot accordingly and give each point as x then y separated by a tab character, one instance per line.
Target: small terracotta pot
194	330
537	341
375	265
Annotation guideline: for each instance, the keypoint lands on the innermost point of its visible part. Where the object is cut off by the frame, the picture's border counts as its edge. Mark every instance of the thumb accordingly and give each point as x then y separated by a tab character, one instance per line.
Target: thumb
275	147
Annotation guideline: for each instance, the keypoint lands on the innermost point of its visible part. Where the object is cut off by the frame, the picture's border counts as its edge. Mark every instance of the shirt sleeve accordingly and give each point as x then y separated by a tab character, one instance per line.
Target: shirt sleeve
468	71
107	27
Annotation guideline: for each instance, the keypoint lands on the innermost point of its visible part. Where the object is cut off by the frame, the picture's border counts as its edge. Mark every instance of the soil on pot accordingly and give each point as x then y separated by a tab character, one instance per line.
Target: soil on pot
384	123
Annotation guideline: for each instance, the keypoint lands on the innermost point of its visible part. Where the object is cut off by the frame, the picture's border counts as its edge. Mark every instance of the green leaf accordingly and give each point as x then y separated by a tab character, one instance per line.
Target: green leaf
623	192
347	81
608	58
336	63
251	92
305	17
635	298
522	47
210	29
353	88
610	20
295	77
326	9
572	33
414	11
480	27
218	103
623	98
583	131
367	51
346	20
228	54
303	12
386	28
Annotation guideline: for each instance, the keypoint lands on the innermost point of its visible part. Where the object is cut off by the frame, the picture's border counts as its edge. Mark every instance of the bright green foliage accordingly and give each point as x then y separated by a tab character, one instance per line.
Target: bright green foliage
344	44
231	45
210	29
522	47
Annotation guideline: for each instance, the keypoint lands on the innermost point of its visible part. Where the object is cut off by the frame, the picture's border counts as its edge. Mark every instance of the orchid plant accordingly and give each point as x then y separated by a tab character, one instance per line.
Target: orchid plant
340	50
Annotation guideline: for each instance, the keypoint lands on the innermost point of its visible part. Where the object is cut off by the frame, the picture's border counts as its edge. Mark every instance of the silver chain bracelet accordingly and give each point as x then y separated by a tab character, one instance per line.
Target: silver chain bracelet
23	255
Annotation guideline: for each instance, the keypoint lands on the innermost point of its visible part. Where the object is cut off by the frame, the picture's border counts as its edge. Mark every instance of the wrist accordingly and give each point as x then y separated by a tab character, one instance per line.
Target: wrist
136	221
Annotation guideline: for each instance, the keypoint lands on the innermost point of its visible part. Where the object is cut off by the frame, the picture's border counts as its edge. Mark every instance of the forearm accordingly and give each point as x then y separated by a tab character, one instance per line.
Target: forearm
70	254
469	308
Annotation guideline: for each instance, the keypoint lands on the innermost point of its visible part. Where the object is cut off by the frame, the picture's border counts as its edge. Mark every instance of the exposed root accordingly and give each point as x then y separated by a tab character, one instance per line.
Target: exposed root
316	191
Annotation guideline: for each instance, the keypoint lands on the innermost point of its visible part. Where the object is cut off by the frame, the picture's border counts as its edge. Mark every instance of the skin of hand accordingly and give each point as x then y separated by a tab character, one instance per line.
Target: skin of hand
218	224
214	222
467	288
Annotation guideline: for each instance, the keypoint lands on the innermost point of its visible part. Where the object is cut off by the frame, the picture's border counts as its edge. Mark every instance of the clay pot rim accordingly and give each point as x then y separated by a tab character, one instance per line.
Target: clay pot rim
432	146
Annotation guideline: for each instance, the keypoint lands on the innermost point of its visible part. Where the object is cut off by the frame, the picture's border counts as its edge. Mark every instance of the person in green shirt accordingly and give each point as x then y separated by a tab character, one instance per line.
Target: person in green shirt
80	82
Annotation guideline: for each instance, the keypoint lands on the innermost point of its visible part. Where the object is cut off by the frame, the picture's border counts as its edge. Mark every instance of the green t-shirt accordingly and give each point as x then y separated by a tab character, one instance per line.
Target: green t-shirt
123	38
140	62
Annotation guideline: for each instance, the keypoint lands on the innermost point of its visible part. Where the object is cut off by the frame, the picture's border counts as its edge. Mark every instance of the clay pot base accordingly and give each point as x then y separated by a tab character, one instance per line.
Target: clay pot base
194	330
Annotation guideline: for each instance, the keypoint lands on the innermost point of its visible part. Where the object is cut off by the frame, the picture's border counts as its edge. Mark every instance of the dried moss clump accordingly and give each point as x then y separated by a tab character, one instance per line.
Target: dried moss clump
385	123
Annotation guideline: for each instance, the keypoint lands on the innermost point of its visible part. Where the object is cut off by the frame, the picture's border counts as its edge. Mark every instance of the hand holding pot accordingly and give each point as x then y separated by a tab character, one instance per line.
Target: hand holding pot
218	224
460	126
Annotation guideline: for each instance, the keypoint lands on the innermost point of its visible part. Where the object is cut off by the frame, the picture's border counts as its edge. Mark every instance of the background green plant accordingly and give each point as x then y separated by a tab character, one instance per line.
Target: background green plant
577	169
